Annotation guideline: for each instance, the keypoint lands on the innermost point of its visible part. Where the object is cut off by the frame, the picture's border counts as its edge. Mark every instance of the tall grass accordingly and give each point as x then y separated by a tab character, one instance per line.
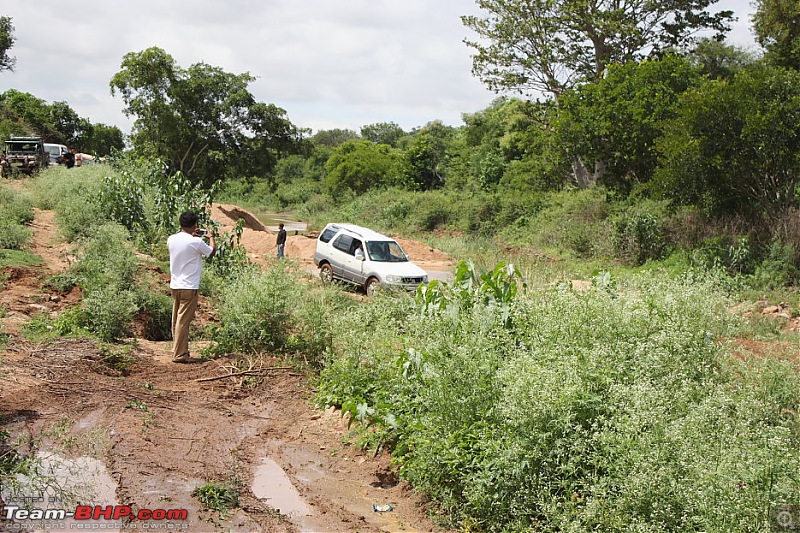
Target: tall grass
15	214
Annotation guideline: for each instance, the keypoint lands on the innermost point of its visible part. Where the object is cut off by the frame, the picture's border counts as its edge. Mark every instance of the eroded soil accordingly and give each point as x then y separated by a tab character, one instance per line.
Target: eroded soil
163	429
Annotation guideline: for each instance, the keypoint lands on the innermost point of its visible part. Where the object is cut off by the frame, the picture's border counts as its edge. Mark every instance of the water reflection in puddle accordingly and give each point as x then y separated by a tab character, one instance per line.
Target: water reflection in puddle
273	487
60	483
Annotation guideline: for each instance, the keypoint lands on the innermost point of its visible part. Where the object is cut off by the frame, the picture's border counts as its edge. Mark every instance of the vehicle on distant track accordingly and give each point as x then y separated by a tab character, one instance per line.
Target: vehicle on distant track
24	155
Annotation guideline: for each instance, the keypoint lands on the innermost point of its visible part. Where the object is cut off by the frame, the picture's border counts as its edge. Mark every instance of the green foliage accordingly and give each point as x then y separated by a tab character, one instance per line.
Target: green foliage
72	193
775	27
607	409
12	235
424	161
15	206
15	212
107	312
121	197
618	119
640	233
734	147
7	39
106	258
254	312
154	313
547	47
571	220
357	166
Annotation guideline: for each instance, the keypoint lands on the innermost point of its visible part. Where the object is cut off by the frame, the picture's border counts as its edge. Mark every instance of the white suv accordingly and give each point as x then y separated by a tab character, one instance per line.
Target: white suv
366	258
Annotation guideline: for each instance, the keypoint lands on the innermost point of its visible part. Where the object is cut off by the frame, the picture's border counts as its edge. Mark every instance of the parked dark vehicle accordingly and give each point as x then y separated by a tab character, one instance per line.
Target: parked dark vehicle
23	155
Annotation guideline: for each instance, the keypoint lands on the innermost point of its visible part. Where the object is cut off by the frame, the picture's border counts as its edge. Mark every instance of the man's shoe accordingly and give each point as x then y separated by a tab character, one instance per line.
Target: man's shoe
185	358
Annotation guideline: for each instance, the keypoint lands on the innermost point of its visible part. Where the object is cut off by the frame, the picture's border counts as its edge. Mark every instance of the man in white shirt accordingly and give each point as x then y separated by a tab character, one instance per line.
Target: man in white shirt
186	250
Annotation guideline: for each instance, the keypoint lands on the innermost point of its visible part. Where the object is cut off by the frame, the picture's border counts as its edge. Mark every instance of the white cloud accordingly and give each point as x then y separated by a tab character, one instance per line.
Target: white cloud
328	63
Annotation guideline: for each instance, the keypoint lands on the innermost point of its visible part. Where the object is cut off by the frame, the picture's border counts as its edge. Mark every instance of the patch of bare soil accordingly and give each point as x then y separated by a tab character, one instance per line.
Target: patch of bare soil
163	429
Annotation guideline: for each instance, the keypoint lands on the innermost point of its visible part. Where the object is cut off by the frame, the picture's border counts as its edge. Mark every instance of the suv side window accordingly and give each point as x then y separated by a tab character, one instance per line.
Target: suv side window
328	234
343	243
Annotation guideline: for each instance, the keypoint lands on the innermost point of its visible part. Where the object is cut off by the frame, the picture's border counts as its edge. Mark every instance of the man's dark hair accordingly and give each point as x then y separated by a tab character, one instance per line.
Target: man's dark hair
188	219
280	225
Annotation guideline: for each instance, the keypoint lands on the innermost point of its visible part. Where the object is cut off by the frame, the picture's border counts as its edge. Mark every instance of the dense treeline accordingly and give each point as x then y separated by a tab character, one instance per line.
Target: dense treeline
24	114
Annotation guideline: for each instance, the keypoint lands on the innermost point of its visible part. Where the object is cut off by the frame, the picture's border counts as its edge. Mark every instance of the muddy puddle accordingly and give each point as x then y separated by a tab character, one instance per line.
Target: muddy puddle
306	481
56	484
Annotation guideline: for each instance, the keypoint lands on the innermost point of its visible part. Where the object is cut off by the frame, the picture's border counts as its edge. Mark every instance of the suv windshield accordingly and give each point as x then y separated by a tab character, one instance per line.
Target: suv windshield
386	252
17	147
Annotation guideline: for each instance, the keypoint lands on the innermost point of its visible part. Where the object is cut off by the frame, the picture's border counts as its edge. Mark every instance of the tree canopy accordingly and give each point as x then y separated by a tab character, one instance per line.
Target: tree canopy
24	114
776	24
7	62
201	121
547	46
735	146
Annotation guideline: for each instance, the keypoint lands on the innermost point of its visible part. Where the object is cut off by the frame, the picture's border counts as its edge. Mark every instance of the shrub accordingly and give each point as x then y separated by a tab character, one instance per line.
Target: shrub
639	233
73	195
15	207
574	220
254	312
106	258
12	235
154	314
108	312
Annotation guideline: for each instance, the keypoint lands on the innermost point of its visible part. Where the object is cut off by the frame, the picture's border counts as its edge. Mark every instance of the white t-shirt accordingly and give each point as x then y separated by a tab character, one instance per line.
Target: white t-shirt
185	260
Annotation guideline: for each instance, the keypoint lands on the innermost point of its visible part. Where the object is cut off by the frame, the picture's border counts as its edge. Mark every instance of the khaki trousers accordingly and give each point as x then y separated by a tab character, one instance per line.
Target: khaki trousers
184	305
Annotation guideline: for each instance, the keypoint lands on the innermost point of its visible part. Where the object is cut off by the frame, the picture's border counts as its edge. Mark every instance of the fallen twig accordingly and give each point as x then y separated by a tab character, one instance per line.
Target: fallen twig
246	373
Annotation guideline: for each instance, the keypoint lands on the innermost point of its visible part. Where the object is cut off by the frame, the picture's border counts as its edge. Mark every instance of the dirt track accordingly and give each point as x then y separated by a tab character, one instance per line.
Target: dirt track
161	431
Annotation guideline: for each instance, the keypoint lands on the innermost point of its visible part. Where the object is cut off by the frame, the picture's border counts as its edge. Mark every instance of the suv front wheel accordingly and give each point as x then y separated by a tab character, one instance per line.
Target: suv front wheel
372	286
326	273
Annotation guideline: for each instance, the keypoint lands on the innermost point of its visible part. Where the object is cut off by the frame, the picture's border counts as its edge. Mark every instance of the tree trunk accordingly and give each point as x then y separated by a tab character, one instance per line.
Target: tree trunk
583	178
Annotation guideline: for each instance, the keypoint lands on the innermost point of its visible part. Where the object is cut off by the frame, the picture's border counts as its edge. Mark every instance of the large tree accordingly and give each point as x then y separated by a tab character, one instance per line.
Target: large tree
201	121
618	119
6	42
777	27
547	46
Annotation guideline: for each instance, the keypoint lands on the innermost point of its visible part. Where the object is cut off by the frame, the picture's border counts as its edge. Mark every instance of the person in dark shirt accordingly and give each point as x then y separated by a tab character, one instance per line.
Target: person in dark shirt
281	242
69	158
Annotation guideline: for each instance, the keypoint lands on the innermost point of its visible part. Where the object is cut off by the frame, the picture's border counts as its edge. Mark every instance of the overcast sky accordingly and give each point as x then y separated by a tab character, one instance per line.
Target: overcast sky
328	63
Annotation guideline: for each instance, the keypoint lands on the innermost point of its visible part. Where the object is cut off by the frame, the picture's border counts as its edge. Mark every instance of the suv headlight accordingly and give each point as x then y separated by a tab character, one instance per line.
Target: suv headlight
394	279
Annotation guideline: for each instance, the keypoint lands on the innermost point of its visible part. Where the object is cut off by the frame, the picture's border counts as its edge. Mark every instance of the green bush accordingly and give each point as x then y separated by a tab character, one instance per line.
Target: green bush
639	233
106	258
12	235
15	206
108	312
72	193
254	312
154	314
570	220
